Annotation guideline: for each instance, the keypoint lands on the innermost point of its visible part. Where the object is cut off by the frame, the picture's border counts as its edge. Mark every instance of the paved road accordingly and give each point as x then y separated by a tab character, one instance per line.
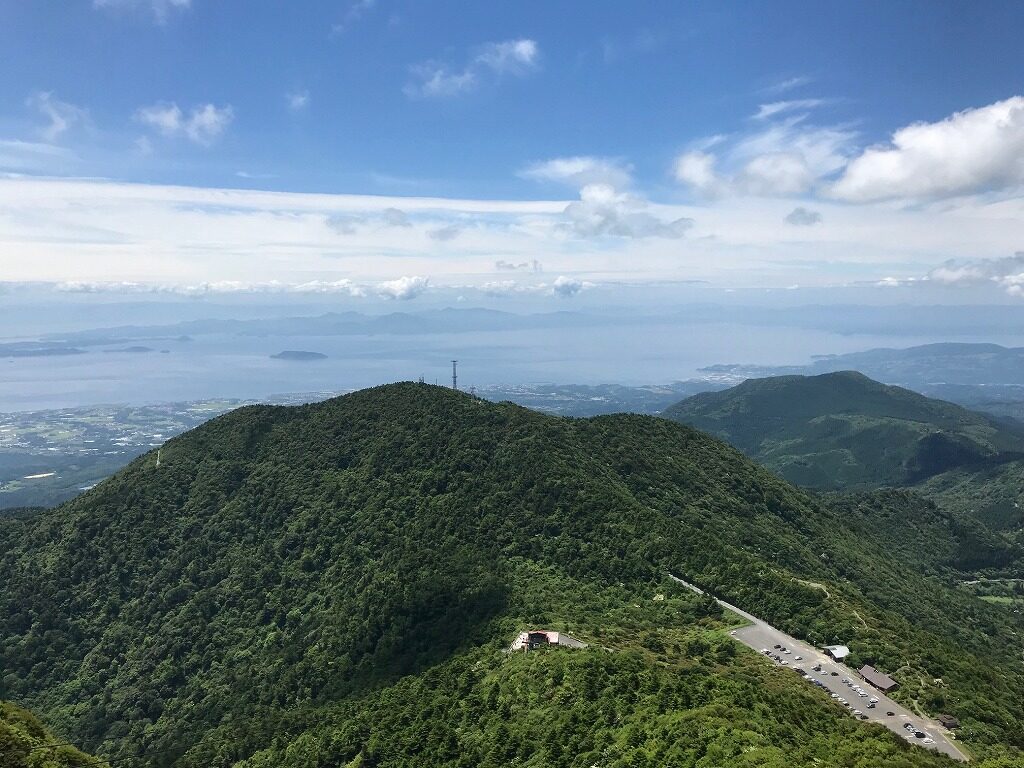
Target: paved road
760	635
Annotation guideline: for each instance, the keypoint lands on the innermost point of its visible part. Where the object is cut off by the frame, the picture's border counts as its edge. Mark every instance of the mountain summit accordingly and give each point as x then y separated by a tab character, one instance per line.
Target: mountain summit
844	430
354	570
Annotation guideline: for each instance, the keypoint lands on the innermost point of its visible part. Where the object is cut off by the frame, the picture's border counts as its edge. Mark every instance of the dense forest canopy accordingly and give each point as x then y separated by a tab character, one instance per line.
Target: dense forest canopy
844	431
333	584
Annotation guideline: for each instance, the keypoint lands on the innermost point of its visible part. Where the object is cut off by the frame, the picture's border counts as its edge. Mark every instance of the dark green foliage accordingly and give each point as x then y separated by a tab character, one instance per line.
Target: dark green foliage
559	709
26	743
284	562
845	431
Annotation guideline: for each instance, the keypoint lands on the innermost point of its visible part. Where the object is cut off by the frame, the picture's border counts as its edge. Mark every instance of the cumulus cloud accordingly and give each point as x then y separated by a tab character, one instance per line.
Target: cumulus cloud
580	170
603	211
432	79
404	288
566	287
970	151
1006	272
697	169
160	9
502	287
203	125
60	114
445	233
802	217
562	287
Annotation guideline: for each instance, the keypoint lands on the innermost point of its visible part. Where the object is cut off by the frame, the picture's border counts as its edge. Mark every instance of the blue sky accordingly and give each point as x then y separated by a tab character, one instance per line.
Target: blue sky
502	148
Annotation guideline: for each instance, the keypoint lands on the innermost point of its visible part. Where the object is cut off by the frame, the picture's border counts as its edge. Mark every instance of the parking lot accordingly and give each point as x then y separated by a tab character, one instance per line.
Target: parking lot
760	636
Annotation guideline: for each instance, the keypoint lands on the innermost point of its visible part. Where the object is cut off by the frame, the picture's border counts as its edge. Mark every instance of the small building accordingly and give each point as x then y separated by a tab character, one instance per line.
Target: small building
837	652
948	722
880	680
531	639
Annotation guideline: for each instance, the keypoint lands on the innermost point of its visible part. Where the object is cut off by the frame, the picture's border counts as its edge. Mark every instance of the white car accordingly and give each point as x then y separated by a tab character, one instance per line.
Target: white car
929	740
799	658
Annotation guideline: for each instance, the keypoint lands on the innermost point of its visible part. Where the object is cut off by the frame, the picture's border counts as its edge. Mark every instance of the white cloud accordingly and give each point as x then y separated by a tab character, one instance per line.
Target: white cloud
514	56
438	79
602	211
970	151
404	288
788	84
344	286
203	125
60	114
355	11
786	158
697	169
395	217
445	234
344	223
297	100
581	170
93	231
566	287
1006	272
160	9
507	266
775	108
802	217
562	287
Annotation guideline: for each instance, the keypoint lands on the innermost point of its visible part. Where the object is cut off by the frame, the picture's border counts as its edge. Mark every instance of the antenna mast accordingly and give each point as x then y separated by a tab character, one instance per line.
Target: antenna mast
455	374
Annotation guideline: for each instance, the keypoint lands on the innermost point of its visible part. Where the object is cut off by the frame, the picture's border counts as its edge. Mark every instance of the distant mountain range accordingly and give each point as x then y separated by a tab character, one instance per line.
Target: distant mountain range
925	365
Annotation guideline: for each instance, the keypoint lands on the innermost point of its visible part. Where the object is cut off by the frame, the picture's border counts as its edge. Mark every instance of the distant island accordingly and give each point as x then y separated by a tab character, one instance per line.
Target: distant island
298	354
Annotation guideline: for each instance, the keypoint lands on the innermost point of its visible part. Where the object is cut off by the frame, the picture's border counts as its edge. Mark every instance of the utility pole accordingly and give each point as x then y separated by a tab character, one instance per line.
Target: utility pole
455	374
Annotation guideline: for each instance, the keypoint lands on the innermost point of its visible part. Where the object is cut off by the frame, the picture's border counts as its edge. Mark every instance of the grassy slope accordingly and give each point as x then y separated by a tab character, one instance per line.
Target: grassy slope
284	560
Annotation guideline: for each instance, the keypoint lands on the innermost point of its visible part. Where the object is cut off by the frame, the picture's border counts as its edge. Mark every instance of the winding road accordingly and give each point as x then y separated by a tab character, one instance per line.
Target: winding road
761	635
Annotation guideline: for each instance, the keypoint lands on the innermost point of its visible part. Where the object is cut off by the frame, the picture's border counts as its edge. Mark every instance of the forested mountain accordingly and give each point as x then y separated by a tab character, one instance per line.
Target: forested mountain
333	584
844	431
26	743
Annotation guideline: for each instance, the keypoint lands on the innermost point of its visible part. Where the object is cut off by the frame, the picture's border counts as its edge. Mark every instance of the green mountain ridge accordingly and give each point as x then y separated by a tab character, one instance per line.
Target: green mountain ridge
334	584
842	430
